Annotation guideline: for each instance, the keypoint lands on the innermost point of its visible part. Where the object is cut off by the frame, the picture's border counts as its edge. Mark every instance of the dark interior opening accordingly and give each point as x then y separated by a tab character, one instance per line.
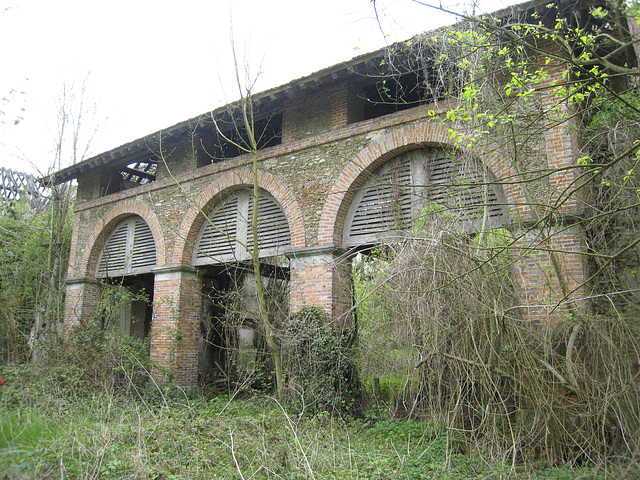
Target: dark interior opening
231	346
134	310
229	138
393	94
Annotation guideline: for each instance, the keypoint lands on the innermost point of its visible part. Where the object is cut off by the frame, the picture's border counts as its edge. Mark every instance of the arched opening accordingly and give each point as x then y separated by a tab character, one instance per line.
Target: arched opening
124	265
227	236
129	250
396	197
231	346
410	225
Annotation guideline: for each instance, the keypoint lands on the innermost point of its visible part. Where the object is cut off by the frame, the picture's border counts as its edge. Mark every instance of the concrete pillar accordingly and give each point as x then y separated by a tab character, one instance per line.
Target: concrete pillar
81	301
321	277
175	330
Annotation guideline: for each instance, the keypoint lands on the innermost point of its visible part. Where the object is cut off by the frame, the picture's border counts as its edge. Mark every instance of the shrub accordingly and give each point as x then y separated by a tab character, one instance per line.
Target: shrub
319	363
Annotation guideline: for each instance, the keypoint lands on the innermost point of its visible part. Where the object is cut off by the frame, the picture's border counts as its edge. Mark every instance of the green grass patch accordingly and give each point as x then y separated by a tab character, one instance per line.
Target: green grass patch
175	435
24	436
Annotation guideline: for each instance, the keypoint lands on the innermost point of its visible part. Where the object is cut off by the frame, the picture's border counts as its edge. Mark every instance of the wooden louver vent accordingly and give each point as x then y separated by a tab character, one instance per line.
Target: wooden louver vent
273	228
226	236
385	203
129	250
216	238
461	187
397	194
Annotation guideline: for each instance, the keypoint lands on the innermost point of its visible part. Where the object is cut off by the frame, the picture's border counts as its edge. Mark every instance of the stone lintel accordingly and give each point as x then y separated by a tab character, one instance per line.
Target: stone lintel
321	255
77	283
175	272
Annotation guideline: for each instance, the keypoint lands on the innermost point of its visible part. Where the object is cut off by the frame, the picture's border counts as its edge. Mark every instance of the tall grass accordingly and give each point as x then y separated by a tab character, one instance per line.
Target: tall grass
74	433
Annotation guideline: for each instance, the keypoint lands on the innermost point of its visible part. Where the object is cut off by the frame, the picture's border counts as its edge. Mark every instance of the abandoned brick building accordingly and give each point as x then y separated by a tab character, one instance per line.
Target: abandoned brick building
339	169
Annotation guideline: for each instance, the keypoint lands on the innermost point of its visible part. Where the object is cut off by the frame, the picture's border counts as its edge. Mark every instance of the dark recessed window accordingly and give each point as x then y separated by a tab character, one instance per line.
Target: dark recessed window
229	139
393	94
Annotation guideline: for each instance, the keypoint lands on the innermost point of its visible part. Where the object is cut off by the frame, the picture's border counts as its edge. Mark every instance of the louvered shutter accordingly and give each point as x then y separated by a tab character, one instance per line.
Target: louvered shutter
460	186
396	194
129	250
143	248
216	241
227	231
273	228
384	203
114	253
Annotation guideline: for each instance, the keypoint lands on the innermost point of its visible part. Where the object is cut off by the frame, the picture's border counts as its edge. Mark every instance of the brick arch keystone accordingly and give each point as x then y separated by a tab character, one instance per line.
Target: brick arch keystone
404	139
223	185
124	209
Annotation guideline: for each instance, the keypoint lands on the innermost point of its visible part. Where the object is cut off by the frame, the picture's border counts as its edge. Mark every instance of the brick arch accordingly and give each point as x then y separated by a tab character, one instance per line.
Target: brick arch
404	139
225	184
98	236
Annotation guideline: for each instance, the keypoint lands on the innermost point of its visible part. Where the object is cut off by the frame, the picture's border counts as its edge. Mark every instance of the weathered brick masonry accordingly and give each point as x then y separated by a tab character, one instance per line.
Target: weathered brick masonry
326	153
176	322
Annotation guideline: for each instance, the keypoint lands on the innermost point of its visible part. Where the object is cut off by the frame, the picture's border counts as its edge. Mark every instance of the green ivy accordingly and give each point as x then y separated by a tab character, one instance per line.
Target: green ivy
319	362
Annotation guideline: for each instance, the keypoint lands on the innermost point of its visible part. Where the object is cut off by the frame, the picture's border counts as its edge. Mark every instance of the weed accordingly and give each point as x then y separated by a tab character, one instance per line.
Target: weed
116	433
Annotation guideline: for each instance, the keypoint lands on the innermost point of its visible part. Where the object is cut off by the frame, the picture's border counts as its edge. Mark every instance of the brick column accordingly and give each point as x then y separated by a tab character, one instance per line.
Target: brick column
81	301
339	106
542	298
560	137
537	280
321	277
176	323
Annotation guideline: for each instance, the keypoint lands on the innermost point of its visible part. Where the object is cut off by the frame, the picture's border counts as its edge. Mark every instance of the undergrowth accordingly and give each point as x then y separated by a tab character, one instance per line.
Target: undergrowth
167	433
443	335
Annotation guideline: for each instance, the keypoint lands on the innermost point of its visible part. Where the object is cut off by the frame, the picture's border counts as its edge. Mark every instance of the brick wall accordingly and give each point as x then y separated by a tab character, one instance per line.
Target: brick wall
542	295
81	301
307	115
322	161
544	298
321	277
175	329
560	140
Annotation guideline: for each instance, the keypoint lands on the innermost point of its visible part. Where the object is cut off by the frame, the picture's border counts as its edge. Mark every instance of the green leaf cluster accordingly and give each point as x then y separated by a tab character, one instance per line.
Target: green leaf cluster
320	363
25	272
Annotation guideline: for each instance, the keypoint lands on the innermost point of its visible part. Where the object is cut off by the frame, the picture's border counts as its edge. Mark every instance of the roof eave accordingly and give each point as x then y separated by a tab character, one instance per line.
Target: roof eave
273	95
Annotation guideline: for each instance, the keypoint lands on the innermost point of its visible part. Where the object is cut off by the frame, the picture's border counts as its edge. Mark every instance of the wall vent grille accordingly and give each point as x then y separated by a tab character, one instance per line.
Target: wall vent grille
129	250
226	235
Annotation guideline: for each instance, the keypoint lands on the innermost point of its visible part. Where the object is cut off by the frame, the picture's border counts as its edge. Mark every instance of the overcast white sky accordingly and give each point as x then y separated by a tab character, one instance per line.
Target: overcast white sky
150	64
